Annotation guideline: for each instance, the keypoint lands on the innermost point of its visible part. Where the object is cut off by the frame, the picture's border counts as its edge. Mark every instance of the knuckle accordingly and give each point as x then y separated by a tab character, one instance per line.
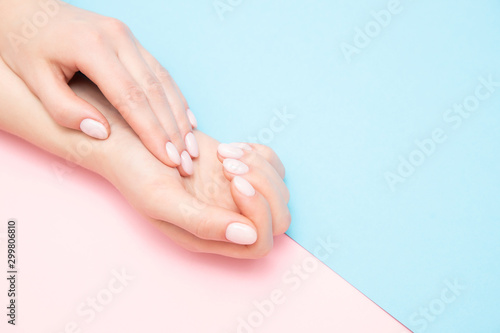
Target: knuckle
153	87
162	73
266	152
283	224
95	37
133	95
116	26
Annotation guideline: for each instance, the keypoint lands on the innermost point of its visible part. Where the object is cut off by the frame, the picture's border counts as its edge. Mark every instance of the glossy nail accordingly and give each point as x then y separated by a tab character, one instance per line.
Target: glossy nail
192	145
192	118
244	186
187	163
241	145
229	151
94	129
173	154
240	233
235	166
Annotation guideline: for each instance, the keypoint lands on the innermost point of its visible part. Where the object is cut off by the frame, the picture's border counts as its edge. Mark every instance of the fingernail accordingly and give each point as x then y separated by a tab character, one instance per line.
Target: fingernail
241	145
173	154
192	118
235	166
244	186
187	163
226	150
240	233
192	145
94	129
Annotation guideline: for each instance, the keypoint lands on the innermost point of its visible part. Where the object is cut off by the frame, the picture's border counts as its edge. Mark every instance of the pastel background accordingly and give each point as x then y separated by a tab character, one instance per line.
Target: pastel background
89	263
424	245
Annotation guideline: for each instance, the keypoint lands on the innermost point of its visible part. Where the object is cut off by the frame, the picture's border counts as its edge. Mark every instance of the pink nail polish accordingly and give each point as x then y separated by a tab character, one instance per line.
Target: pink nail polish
235	166
241	145
192	118
240	233
187	163
192	145
173	154
244	186
94	129
229	151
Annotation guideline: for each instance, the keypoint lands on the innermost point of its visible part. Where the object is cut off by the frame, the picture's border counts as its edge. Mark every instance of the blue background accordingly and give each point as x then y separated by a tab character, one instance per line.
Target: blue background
352	123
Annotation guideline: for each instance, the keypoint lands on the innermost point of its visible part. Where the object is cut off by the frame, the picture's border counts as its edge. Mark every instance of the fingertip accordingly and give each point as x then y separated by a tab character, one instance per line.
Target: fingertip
94	129
192	145
242	145
173	154
229	151
192	118
187	163
236	167
240	233
243	186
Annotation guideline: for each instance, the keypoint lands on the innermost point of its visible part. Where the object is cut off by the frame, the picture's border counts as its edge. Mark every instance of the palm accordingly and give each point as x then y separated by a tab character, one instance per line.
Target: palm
153	181
208	184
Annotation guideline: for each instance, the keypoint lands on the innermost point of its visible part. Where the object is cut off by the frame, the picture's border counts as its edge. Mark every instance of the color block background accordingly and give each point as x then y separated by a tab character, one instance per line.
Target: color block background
88	263
426	249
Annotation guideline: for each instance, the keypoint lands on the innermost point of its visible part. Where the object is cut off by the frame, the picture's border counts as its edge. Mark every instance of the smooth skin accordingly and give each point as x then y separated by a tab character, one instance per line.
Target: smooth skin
45	42
195	212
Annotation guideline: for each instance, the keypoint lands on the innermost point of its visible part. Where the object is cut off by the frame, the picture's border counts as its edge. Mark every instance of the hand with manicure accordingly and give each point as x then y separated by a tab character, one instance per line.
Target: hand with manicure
233	206
45	42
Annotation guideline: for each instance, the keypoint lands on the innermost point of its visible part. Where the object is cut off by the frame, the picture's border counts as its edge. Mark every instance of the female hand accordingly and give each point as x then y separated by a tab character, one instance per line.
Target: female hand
45	42
231	208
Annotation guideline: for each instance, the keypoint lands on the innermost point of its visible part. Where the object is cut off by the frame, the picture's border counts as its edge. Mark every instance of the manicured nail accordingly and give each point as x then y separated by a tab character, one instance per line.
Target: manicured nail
244	186
192	118
187	163
241	145
173	154
192	145
229	151
235	166
94	129
240	233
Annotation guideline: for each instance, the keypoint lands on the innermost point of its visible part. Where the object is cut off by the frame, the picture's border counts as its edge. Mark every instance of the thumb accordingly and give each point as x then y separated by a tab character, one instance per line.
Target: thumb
65	107
208	222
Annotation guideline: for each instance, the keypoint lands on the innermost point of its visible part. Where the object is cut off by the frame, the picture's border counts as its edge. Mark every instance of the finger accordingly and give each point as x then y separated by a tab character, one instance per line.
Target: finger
127	96
154	64
252	205
265	151
153	89
248	154
175	100
65	107
189	113
271	157
202	220
265	180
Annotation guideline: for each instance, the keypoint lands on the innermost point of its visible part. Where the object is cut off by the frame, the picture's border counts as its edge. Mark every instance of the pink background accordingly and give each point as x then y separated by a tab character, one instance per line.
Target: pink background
74	231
